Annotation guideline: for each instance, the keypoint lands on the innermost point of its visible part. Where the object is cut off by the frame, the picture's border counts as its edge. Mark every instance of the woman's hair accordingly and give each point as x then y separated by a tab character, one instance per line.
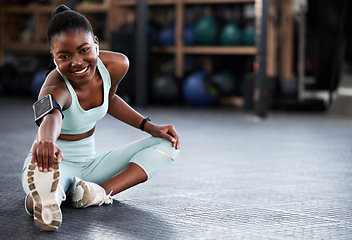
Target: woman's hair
62	20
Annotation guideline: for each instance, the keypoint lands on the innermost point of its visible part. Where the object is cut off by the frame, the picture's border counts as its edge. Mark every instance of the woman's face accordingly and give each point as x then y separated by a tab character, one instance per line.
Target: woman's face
75	53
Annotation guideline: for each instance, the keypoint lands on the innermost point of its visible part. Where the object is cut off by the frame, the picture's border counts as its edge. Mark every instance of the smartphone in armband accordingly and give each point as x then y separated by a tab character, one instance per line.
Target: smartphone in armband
44	107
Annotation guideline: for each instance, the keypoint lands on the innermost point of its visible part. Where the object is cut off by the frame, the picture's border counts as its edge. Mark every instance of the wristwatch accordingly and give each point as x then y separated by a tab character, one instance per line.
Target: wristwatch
141	127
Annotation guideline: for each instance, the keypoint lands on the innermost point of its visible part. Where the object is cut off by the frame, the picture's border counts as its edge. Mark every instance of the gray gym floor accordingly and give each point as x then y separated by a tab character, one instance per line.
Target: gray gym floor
288	177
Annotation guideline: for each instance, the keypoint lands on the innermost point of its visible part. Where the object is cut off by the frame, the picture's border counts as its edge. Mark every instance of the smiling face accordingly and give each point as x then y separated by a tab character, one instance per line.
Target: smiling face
75	54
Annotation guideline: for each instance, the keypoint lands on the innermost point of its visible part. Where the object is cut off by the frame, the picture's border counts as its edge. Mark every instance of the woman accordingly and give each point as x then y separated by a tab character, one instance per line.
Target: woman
78	92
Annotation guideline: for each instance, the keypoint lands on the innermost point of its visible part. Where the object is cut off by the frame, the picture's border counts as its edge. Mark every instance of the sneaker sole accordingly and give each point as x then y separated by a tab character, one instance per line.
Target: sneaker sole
47	212
87	196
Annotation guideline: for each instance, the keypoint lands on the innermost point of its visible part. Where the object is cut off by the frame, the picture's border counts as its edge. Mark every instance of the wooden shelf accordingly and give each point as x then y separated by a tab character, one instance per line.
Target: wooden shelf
39	47
171	50
92	8
229	50
216	2
29	9
171	2
41	14
26	47
150	2
180	50
221	50
117	14
35	8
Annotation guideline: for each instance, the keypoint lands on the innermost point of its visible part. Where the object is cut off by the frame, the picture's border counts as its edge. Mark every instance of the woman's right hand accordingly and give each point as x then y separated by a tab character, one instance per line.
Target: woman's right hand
44	154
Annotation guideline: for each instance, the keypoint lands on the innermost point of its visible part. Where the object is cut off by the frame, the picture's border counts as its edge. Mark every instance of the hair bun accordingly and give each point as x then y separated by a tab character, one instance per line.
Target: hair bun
60	9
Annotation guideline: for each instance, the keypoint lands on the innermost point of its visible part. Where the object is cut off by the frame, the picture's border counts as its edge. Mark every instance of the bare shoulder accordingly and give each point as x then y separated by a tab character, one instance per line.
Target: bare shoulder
116	63
55	85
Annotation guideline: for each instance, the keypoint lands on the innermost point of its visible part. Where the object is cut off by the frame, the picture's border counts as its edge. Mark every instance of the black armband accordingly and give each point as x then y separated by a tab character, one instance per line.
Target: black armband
141	127
45	106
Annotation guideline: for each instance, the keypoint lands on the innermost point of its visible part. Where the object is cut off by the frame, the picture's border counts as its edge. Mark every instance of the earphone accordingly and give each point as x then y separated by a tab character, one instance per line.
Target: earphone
97	49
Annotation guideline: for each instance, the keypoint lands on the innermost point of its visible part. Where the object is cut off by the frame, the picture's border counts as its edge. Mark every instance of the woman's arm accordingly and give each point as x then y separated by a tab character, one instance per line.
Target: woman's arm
44	151
117	65
119	109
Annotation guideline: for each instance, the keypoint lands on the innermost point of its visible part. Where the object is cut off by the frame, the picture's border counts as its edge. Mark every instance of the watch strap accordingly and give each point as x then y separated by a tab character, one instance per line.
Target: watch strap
141	126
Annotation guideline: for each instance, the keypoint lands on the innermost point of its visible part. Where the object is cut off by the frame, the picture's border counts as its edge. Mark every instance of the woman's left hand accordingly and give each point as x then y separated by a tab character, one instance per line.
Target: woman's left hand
166	131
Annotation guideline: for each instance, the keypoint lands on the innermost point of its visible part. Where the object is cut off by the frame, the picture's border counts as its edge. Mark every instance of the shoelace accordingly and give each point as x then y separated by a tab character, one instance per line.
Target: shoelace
63	192
107	199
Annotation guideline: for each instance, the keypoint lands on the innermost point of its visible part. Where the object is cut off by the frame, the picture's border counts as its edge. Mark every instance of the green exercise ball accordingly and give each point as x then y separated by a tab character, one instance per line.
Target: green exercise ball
230	35
206	30
248	36
226	82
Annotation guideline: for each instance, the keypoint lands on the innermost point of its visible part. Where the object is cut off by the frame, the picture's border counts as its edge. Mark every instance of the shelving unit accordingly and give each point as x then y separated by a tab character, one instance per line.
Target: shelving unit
180	50
171	2
116	15
11	26
40	15
243	50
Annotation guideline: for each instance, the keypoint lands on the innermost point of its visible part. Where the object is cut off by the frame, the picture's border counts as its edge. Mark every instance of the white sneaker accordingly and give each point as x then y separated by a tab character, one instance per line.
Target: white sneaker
85	194
43	188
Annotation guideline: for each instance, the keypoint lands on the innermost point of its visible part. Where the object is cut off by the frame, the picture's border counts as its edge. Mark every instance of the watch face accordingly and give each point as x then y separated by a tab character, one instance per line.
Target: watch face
42	107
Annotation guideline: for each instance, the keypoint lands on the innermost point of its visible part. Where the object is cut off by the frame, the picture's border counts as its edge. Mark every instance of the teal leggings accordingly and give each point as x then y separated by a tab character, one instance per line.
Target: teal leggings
79	160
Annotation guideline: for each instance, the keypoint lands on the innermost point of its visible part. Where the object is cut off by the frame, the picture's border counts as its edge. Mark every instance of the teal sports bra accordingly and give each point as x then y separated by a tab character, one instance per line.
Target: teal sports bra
77	120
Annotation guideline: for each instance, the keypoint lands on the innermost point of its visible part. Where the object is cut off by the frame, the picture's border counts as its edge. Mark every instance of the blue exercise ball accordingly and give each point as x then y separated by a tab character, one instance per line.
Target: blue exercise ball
37	81
167	37
153	35
189	35
195	90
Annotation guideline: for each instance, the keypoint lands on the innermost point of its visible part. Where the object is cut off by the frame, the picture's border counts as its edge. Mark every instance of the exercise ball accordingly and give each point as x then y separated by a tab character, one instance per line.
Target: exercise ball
189	35
206	30
289	88
230	34
165	89
9	76
226	83
167	67
248	36
167	37
153	35
28	66
195	90
37	81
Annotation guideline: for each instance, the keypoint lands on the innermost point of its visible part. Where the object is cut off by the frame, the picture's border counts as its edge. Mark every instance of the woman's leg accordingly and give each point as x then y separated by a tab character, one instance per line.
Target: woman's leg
67	172
129	177
29	204
130	165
